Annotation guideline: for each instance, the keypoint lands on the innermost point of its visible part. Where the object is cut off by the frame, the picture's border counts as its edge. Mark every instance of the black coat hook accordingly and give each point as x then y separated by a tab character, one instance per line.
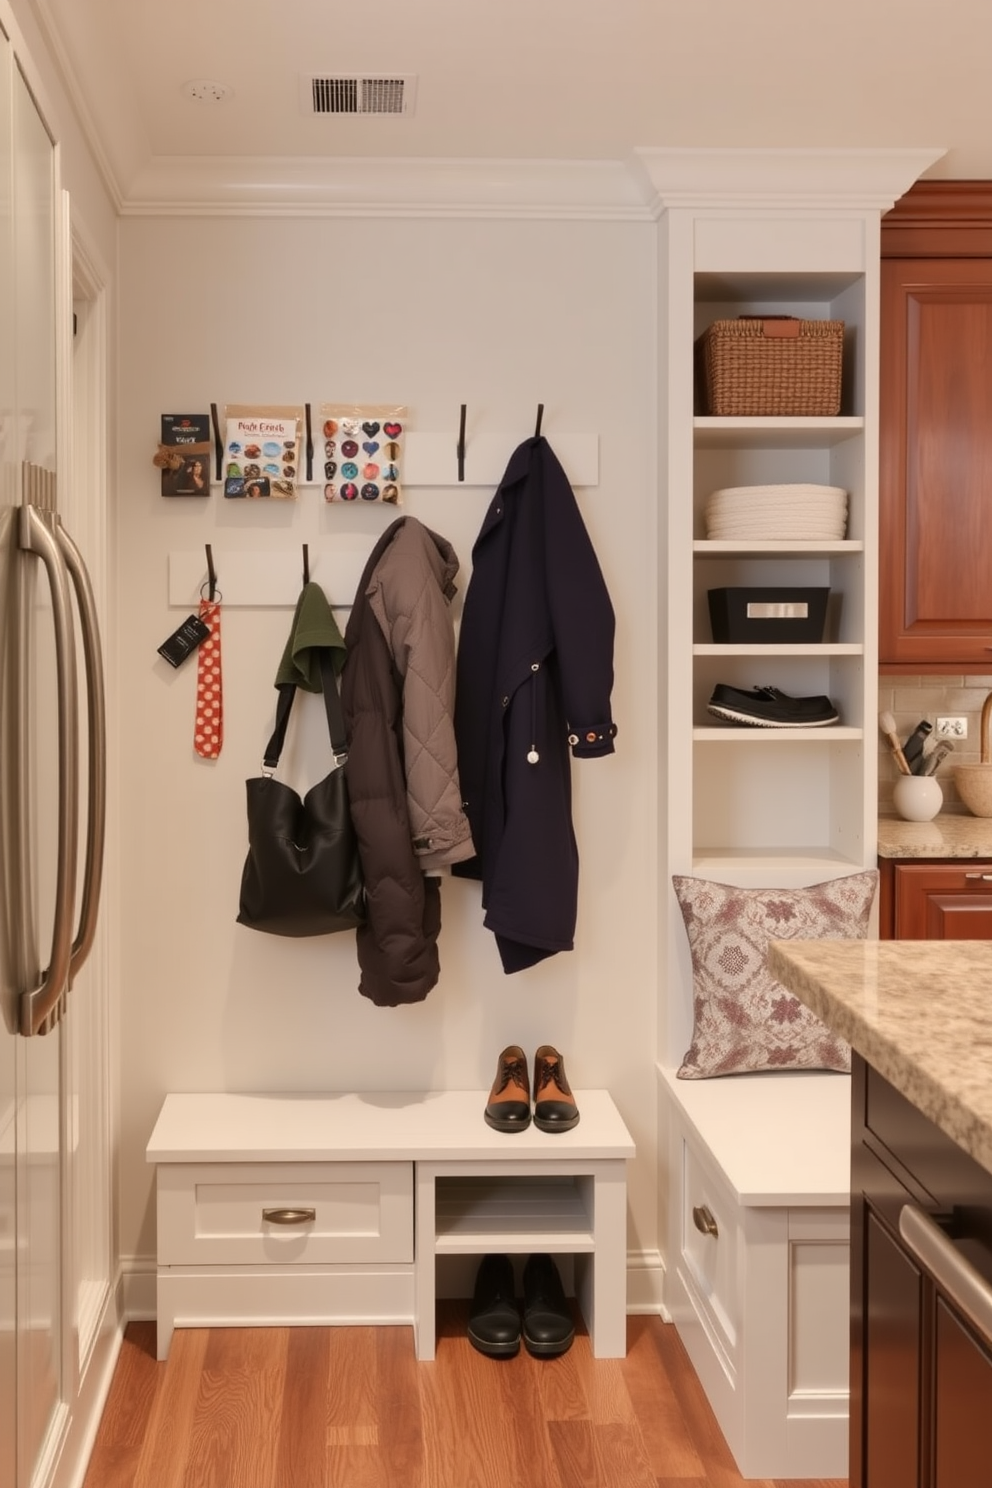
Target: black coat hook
211	574
218	442
306	563
309	444
540	416
461	445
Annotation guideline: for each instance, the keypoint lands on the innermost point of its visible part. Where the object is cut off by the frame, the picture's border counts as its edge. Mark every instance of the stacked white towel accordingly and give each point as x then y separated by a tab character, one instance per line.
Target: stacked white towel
796	513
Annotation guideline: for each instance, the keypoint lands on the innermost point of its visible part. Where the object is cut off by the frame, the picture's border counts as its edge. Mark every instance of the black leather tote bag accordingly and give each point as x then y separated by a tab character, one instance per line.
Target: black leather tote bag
302	875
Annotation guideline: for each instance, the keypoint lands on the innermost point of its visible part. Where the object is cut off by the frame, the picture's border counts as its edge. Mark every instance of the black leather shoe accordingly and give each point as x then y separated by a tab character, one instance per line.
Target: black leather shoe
494	1319
508	1108
554	1104
548	1327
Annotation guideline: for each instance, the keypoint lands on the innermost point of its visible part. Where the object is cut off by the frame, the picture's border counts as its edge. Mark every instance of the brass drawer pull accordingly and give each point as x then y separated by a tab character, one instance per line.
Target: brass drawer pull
704	1221
288	1216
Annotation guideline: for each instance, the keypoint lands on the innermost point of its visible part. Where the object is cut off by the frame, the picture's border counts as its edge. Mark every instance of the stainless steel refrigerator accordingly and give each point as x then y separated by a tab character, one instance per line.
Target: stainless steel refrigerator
52	753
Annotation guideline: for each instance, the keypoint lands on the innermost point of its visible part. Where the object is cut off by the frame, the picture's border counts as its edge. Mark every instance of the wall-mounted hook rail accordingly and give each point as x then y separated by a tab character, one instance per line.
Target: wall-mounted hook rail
306	564
309	443
211	574
218	441
540	419
461	444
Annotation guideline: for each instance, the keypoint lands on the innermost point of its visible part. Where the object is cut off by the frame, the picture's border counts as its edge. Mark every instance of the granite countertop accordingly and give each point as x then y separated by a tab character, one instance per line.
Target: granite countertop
945	837
919	1011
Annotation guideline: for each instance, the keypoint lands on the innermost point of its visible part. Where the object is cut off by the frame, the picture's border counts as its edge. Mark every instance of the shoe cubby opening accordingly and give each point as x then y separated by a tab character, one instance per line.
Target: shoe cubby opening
455	1274
514	1214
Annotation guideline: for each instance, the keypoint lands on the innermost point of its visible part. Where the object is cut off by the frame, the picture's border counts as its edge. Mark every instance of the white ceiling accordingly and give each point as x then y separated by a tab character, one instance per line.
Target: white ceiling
520	80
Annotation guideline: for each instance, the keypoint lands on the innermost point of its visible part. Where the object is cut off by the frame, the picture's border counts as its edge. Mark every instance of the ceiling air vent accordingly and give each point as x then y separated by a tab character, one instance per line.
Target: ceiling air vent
358	94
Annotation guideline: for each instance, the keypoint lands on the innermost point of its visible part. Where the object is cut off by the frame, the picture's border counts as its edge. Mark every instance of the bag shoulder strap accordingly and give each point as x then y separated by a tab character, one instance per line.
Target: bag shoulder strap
332	707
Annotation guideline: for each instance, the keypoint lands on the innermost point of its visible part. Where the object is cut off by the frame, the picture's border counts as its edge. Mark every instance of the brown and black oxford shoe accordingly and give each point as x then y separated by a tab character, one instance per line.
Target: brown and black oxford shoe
554	1104
508	1107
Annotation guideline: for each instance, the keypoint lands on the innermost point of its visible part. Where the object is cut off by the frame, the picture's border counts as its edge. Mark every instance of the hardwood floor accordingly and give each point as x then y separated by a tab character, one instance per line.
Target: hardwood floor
352	1408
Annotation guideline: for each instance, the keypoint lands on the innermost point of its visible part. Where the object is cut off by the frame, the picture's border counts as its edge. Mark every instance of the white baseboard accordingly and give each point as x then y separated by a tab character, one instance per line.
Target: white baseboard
646	1283
138	1274
73	1460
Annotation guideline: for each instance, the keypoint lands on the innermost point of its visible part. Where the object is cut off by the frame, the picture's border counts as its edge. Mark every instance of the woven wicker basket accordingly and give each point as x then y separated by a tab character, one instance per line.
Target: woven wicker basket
777	365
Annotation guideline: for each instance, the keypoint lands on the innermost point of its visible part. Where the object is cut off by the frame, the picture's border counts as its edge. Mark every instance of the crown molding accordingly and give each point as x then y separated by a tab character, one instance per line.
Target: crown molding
328	186
940	219
807	180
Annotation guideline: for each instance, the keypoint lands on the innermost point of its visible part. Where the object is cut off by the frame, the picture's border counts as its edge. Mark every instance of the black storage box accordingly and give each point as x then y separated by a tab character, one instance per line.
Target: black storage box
739	616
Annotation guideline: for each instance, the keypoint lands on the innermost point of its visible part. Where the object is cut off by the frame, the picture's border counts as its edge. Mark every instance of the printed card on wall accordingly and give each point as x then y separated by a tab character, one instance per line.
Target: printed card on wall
184	454
363	450
262	452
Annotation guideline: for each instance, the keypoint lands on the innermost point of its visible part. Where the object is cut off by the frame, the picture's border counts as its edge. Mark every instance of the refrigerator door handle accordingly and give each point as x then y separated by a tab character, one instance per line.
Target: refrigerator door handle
96	749
40	1005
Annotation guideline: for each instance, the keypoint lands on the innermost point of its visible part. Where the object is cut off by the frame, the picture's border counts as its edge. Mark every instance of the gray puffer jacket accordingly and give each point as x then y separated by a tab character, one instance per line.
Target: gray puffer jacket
397	692
410	594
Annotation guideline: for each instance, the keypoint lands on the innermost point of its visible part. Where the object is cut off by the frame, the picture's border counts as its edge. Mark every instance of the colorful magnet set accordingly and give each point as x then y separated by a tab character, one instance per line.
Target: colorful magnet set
362	452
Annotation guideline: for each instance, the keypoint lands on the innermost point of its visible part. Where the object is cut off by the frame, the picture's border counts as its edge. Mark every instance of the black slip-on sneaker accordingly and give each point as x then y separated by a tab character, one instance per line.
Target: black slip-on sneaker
766	707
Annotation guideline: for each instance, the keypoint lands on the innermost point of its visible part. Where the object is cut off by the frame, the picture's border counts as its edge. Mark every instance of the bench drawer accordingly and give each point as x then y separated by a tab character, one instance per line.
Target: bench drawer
284	1213
710	1241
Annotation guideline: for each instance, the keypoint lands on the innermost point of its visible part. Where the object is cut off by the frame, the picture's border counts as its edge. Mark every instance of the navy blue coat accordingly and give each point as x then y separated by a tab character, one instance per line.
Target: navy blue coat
535	673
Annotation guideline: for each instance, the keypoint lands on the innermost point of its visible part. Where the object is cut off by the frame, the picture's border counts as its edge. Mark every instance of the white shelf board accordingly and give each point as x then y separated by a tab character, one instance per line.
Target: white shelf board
513	1239
714	548
711	432
795	862
730	734
779	648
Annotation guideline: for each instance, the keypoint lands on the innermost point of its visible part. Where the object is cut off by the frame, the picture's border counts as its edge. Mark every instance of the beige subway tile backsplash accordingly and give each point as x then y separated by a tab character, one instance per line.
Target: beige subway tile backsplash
909	699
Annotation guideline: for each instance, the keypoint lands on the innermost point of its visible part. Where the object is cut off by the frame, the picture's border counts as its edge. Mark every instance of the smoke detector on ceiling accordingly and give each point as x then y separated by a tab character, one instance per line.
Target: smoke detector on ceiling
357	93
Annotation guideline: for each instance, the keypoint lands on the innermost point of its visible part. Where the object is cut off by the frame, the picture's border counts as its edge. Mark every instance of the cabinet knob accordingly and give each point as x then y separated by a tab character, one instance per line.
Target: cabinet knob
288	1216
704	1221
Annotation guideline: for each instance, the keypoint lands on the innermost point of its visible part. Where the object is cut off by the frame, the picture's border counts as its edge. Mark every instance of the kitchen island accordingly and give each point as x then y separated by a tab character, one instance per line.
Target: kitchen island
918	1017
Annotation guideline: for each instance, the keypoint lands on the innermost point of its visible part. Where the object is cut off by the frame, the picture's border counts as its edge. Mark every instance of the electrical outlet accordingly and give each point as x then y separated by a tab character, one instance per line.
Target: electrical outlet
952	728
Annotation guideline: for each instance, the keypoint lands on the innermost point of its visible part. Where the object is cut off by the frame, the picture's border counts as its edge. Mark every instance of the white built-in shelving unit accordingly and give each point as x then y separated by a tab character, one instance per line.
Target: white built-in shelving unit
756	1272
766	232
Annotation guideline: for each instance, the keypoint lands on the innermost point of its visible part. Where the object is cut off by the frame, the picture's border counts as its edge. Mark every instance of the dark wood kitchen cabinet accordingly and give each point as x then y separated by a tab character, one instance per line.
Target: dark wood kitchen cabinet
935	430
933	899
921	1360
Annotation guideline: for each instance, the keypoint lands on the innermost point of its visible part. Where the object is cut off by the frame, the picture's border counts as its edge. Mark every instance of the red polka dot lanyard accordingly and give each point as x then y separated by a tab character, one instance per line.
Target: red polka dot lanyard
208	732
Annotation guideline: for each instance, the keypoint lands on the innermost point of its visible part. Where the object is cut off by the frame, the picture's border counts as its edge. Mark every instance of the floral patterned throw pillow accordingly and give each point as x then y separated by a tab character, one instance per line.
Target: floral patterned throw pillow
744	1020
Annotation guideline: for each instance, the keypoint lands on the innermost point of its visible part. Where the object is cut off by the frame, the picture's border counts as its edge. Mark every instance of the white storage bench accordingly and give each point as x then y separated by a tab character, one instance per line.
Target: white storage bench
280	1209
759	1261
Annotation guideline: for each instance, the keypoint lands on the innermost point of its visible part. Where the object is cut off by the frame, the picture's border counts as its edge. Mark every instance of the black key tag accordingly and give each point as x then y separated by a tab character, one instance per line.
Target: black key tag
184	641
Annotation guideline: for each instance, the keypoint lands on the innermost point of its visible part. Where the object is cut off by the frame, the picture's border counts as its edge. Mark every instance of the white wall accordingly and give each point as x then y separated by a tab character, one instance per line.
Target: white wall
430	313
